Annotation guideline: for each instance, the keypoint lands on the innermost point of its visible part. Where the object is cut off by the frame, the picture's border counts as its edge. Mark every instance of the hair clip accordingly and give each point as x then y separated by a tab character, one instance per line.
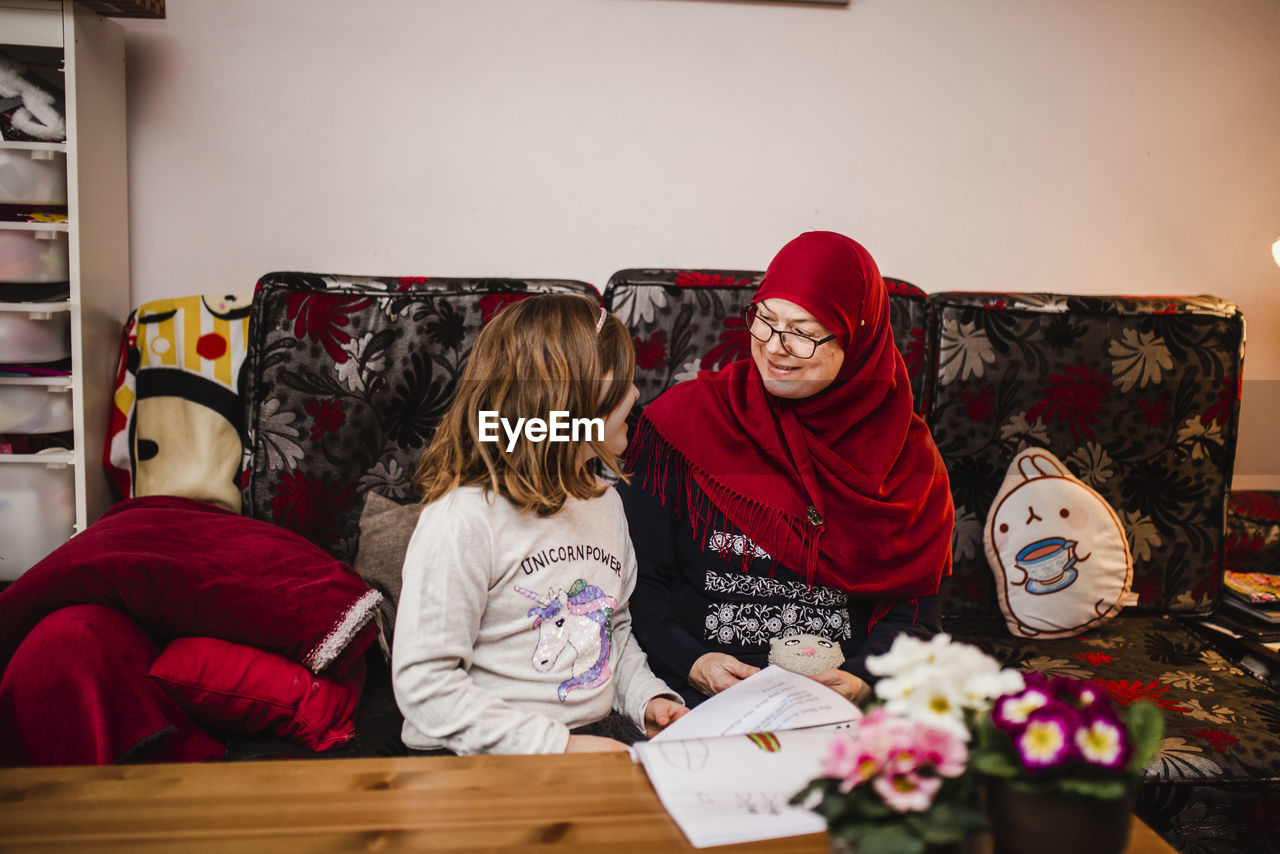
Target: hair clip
600	323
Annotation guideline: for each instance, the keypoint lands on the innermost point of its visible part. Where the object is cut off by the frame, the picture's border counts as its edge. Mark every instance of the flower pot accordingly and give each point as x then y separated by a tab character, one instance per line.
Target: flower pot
1025	822
971	845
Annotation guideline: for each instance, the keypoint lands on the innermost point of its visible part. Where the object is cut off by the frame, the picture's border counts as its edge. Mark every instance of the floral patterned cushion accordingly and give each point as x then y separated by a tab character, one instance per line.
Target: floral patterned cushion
1216	778
347	379
1138	396
1253	532
684	321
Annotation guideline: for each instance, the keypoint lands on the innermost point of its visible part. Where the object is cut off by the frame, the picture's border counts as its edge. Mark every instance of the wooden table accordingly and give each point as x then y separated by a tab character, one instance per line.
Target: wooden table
574	801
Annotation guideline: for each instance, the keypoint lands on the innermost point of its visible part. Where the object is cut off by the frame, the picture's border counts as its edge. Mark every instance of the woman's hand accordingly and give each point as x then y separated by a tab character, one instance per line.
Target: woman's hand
660	713
715	671
592	744
845	684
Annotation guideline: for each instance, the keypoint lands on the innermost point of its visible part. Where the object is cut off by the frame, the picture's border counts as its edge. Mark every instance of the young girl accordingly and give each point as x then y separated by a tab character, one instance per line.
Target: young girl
513	626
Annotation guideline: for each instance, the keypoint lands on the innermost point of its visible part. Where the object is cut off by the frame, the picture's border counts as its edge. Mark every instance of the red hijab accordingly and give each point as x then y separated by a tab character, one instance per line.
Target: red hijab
845	487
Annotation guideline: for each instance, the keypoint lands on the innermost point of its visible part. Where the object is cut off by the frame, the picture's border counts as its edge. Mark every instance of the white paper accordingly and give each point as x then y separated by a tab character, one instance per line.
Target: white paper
771	700
731	789
723	782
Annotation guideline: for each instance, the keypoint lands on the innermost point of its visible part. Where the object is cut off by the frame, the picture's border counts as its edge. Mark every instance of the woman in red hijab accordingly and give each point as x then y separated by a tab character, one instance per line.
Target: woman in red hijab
794	492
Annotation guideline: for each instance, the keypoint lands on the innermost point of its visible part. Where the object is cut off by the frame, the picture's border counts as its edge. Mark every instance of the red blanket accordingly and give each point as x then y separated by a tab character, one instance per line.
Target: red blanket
181	568
78	693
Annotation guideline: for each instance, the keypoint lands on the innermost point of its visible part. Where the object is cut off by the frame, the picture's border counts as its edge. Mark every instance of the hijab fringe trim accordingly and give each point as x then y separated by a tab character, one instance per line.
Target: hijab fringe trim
771	529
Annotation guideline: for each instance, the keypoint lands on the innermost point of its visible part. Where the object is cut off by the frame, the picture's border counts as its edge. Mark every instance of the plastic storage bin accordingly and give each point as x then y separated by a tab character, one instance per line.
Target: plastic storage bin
33	256
32	177
34	336
37	512
29	407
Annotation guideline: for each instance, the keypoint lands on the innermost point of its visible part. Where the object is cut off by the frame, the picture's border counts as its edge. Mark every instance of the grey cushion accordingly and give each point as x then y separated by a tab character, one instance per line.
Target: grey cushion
385	529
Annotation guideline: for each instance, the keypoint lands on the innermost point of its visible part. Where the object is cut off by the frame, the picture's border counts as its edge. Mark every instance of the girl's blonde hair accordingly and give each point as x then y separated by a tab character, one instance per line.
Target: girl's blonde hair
538	355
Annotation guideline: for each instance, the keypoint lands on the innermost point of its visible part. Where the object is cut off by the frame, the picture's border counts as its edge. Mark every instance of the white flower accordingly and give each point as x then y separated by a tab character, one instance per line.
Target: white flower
893	689
1139	359
907	653
1057	667
967	536
1176	759
1216	663
353	371
936	704
276	434
688	371
1142	534
982	688
1194	435
1219	714
935	681
1093	463
633	303
1017	427
965	351
1045	302
390	479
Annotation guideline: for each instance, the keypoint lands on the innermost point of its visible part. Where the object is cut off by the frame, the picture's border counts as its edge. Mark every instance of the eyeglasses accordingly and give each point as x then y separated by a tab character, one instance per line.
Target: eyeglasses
800	346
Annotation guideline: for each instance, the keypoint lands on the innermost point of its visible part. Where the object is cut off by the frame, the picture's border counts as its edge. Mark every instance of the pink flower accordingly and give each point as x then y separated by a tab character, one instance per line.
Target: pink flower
1075	396
907	792
328	414
849	762
1046	740
491	304
698	279
1011	711
945	752
903	759
651	352
322	318
1103	743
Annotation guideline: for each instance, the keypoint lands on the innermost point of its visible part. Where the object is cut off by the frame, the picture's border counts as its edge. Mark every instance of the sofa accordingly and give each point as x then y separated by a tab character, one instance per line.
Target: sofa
343	379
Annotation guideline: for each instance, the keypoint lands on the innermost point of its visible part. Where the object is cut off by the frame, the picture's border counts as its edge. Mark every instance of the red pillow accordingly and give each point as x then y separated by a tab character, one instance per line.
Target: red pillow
181	568
238	688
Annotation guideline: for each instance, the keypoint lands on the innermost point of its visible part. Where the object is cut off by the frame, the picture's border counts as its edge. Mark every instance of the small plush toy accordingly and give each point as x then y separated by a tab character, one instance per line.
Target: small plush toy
805	654
1057	549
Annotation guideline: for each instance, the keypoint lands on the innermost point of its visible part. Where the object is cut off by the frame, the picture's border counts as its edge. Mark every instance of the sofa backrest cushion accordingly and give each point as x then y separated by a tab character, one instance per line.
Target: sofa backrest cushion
1137	396
683	321
347	379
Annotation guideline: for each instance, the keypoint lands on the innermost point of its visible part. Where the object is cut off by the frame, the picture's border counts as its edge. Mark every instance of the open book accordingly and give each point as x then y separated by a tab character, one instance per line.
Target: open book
726	770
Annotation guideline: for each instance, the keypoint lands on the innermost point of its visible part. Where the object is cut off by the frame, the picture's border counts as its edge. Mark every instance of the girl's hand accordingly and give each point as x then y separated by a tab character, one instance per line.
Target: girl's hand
592	744
845	684
660	713
715	671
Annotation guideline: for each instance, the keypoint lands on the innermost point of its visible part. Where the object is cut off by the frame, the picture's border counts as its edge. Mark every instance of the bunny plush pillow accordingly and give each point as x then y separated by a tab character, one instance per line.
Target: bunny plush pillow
1058	550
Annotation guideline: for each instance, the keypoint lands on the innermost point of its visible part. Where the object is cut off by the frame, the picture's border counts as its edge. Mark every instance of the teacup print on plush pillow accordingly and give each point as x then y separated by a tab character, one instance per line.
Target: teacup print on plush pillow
1058	550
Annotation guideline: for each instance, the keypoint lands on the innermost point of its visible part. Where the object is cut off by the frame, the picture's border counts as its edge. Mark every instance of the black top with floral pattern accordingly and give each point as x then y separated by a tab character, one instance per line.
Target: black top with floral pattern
692	598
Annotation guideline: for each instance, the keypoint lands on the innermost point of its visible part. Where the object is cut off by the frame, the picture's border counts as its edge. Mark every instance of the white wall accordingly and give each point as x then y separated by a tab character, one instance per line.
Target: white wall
1095	146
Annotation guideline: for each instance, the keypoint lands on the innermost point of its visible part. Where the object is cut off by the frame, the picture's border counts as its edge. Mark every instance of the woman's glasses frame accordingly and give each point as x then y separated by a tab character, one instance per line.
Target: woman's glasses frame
751	317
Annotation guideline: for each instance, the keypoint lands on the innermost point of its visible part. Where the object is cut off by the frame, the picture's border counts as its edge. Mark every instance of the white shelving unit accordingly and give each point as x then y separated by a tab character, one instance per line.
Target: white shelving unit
97	232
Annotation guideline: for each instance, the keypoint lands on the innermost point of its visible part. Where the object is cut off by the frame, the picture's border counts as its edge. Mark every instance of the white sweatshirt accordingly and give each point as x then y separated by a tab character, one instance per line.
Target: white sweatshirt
513	629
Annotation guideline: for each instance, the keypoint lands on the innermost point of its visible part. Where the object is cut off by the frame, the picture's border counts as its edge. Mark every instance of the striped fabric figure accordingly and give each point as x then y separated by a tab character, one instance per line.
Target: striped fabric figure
177	417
